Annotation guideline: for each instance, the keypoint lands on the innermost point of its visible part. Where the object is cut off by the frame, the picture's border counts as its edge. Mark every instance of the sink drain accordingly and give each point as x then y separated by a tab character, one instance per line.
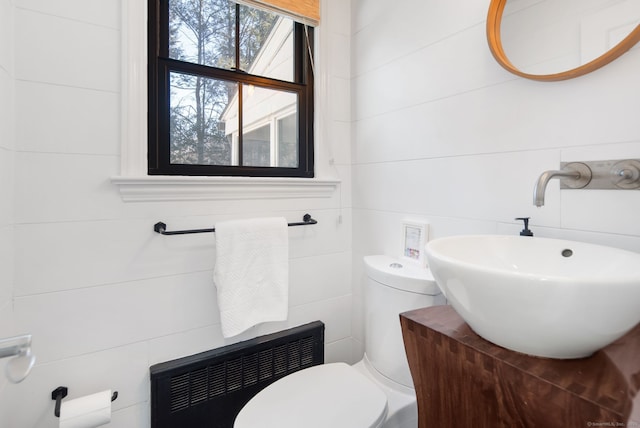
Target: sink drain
567	252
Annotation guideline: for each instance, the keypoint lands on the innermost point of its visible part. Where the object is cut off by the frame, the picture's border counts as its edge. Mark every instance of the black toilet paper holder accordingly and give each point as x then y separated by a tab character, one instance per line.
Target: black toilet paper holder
60	392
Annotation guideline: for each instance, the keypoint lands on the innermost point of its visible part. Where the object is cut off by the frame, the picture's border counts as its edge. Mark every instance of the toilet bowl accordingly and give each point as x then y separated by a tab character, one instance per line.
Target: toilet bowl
376	392
329	395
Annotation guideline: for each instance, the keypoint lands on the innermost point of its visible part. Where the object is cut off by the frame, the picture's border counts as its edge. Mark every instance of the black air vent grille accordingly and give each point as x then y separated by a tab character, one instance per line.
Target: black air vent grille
208	389
227	377
265	362
250	369
199	385
217	383
234	375
179	392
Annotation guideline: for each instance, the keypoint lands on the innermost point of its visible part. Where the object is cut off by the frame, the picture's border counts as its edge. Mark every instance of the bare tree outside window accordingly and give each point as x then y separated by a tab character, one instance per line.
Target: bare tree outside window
205	32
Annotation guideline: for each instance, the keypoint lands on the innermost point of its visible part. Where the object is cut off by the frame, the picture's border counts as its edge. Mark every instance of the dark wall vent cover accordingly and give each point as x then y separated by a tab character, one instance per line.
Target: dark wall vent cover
209	389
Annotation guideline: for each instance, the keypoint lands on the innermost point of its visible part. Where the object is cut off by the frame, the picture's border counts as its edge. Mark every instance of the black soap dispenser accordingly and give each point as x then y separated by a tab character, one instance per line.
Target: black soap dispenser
525	231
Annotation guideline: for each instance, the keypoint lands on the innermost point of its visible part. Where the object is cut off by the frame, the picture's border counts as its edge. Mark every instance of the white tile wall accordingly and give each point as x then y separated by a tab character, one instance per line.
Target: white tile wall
88	123
391	32
6	186
6	36
442	132
84	374
7	144
64	51
128	250
55	193
105	13
103	317
104	296
415	118
6	279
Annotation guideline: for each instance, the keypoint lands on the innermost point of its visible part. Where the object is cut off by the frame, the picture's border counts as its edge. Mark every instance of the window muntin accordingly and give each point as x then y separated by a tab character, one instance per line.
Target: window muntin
198	101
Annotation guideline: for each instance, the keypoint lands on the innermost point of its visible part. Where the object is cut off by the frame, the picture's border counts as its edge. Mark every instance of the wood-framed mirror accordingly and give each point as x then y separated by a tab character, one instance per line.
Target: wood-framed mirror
599	33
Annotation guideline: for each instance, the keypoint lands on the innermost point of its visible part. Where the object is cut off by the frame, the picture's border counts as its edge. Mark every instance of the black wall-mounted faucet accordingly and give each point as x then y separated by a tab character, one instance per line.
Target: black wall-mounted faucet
525	231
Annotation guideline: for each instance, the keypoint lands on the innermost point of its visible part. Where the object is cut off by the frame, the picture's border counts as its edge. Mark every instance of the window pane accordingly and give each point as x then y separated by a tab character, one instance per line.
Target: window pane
203	32
266	44
288	142
256	147
226	93
263	106
197	130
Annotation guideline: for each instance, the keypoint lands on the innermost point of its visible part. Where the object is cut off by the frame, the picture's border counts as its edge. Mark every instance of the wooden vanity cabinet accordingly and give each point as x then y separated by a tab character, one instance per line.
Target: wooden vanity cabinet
462	380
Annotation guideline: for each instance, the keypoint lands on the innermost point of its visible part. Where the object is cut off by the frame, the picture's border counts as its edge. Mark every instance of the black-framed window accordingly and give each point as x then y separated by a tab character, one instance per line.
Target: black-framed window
230	91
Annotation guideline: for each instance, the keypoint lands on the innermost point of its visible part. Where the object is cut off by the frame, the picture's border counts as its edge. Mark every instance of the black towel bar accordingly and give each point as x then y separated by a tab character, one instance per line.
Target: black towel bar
161	228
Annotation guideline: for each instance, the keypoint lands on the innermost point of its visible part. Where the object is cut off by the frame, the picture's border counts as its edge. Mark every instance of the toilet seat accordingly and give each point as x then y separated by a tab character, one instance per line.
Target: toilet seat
330	395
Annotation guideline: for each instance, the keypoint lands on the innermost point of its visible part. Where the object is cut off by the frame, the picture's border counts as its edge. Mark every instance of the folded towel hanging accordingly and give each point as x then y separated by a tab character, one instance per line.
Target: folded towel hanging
251	272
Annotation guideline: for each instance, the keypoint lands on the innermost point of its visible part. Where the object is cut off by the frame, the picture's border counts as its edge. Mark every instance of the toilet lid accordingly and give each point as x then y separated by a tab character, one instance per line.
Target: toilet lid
330	395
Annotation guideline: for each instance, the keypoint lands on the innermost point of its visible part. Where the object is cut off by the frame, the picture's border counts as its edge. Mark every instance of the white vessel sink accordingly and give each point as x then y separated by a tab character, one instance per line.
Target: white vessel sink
543	297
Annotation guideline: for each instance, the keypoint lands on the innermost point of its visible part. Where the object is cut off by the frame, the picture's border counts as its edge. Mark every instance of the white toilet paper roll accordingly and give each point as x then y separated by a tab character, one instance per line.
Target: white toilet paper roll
86	412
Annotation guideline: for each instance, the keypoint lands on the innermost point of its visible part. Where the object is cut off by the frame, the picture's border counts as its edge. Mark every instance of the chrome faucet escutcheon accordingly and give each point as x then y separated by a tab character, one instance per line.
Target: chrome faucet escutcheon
574	175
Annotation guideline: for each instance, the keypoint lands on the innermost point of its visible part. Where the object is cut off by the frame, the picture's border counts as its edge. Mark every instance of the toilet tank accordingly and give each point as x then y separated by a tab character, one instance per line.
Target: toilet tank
392	287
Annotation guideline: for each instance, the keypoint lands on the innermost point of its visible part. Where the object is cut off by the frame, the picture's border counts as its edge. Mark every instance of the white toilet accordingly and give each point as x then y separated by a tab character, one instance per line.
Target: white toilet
376	392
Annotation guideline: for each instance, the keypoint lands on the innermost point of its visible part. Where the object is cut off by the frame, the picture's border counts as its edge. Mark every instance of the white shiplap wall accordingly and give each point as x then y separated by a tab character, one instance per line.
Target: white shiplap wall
441	132
434	128
103	295
7	137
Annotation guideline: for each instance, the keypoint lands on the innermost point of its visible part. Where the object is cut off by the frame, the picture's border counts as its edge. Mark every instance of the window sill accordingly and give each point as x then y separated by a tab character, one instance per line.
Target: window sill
183	188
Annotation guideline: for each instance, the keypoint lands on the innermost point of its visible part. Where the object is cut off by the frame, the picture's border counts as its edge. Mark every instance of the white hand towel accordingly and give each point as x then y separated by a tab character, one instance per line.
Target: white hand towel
251	272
